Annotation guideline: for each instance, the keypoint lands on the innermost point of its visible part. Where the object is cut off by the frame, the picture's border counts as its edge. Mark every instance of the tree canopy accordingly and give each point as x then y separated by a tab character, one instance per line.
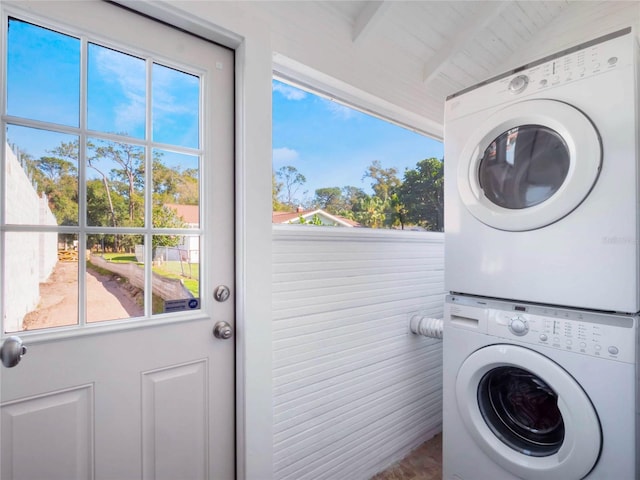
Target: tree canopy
114	186
415	201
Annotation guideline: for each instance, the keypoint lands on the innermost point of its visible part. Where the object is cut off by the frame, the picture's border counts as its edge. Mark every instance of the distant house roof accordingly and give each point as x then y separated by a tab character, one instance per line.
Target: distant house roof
325	217
189	213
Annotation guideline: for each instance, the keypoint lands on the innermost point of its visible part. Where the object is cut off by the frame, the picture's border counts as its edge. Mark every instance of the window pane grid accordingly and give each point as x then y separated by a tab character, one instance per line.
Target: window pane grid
84	230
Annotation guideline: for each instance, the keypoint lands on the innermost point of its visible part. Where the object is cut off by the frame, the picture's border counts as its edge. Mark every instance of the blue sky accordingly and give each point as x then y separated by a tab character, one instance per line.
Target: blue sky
43	77
332	145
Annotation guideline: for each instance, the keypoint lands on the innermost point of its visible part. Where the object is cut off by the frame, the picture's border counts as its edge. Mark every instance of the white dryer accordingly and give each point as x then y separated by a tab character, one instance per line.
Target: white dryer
534	392
542	181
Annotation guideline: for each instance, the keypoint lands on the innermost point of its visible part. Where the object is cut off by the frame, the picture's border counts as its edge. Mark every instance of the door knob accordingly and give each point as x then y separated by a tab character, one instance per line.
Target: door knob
11	351
222	330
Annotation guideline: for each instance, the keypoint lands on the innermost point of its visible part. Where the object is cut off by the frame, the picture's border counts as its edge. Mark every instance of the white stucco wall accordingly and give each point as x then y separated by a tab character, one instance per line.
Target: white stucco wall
30	257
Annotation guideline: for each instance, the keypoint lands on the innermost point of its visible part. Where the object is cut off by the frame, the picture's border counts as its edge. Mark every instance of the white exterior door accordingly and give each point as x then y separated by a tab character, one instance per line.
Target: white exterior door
116	228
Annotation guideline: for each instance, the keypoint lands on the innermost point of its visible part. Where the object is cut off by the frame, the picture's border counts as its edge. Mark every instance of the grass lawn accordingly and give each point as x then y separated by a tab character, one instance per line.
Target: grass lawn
188	273
173	269
186	270
120	258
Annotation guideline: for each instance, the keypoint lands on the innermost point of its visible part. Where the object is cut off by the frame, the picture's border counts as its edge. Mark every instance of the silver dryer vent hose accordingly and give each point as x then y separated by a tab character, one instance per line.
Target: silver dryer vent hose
425	326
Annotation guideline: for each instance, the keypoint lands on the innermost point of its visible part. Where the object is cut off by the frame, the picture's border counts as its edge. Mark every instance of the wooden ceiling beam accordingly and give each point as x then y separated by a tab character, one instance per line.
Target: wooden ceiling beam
466	33
370	15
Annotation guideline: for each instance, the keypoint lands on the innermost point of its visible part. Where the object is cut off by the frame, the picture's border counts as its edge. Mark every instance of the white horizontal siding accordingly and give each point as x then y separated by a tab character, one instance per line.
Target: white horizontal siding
354	390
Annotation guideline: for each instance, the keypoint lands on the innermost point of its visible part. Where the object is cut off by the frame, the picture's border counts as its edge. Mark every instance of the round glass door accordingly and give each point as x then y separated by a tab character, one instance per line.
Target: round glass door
524	166
520	170
521	410
527	413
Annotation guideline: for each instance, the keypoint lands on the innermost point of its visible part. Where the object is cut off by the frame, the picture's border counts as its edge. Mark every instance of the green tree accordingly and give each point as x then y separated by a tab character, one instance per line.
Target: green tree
396	211
58	180
172	185
315	220
338	201
187	191
276	191
351	196
130	160
370	212
329	199
385	180
291	180
422	194
165	217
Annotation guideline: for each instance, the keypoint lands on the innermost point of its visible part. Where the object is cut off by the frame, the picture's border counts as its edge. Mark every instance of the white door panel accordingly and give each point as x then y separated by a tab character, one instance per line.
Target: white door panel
148	393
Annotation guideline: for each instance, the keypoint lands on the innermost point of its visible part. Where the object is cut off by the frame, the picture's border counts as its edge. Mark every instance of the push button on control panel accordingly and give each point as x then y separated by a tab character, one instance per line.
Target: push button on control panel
613	350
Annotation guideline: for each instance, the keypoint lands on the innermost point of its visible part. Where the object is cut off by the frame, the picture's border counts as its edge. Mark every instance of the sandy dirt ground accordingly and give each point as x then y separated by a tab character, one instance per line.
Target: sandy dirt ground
108	298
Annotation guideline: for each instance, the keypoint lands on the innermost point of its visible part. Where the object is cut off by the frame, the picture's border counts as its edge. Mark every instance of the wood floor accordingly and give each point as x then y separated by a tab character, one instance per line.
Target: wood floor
424	463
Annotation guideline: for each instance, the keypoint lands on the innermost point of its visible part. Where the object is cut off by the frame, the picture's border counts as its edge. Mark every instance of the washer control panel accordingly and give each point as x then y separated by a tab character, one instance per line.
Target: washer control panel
573	66
565	330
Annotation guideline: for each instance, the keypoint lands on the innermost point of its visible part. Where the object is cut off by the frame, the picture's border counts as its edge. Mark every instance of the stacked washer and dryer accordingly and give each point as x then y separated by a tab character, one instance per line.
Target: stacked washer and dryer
542	257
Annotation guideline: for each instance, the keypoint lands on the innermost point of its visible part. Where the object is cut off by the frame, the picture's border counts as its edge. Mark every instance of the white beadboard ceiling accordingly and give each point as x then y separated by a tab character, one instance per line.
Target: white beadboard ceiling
402	58
414	54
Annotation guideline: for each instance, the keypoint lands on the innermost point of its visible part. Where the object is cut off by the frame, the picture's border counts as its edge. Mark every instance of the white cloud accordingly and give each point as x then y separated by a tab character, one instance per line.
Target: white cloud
339	111
284	154
290	93
128	72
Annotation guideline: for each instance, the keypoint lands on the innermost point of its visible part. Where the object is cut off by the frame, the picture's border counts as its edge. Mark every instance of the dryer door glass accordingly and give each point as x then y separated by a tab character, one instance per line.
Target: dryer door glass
521	410
528	165
524	166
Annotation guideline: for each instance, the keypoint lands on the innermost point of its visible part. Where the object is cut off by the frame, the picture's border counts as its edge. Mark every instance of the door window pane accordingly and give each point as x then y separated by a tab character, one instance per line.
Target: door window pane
176	190
176	107
41	280
41	169
115	277
43	74
176	273
116	96
115	184
84	179
524	166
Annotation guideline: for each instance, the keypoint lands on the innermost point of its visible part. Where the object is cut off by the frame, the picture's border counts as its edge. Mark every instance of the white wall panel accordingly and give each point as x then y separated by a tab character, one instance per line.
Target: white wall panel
174	412
354	390
49	436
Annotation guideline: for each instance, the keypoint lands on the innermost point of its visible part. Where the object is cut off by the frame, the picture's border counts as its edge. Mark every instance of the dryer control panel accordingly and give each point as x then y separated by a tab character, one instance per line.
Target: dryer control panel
567	330
606	54
611	336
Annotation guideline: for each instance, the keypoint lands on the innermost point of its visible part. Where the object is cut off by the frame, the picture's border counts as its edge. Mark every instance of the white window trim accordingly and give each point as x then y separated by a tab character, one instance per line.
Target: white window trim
318	83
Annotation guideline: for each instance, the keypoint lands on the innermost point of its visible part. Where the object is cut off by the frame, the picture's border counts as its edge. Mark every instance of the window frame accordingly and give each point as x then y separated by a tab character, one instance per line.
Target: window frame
82	230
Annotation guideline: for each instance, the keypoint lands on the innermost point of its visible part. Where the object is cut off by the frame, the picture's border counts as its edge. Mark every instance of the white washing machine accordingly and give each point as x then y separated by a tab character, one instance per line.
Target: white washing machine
534	392
541	181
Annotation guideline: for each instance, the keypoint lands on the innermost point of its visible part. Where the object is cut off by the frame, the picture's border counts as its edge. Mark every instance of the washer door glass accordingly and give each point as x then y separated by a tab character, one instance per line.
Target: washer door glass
521	410
529	165
524	166
527	413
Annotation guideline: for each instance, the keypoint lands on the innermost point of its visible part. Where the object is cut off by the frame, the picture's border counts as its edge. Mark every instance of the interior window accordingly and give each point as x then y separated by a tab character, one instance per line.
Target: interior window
335	165
101	198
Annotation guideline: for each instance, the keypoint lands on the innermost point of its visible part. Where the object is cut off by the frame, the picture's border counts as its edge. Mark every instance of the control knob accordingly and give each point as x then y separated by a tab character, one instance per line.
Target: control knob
518	84
519	326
